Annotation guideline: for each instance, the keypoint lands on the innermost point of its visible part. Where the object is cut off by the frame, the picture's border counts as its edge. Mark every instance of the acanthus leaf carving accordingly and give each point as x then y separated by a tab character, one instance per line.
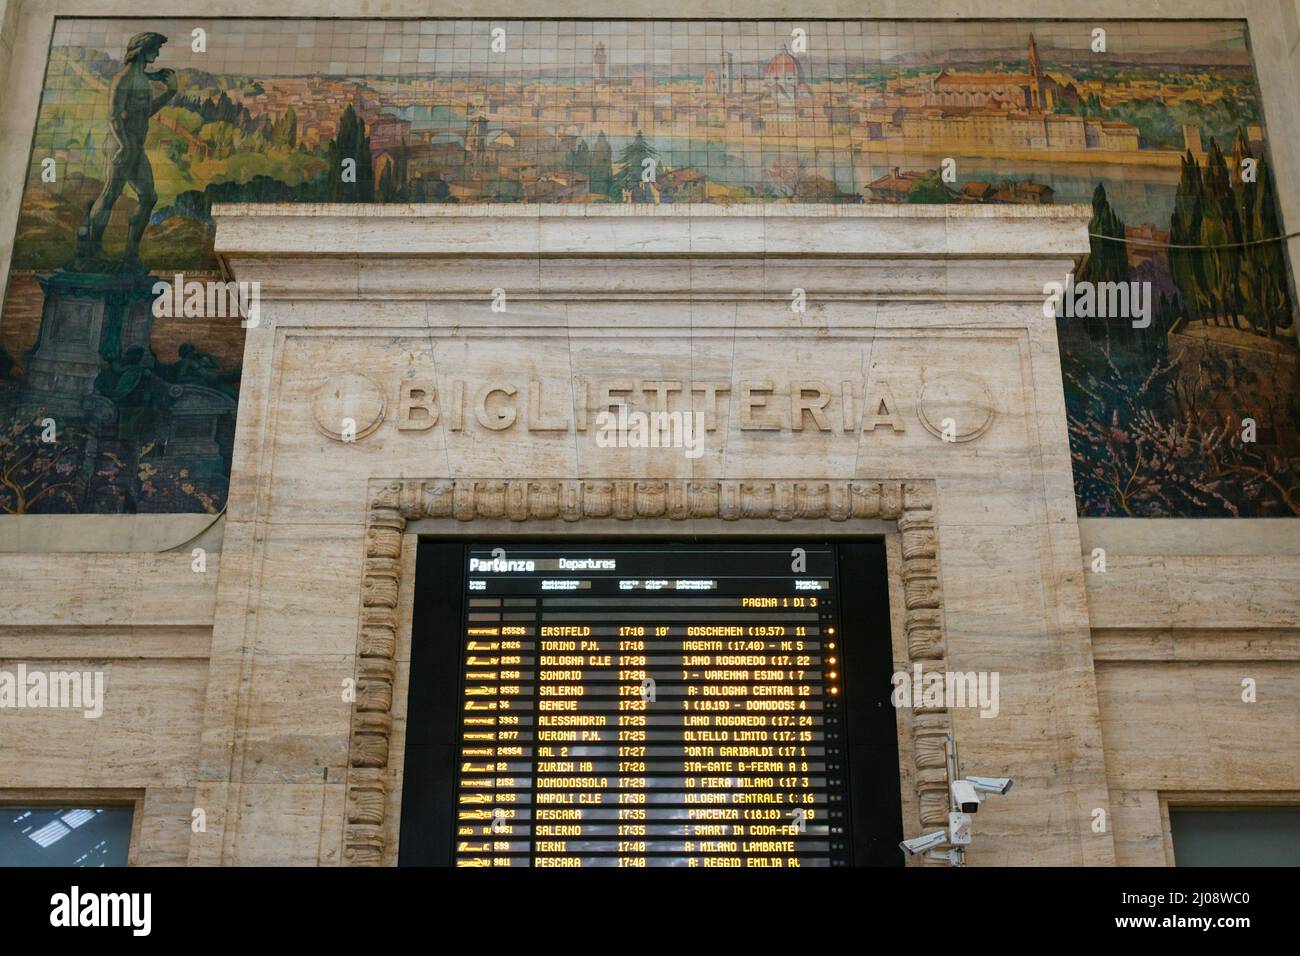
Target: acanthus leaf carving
651	498
490	499
437	500
756	499
811	499
598	498
544	500
704	500
864	499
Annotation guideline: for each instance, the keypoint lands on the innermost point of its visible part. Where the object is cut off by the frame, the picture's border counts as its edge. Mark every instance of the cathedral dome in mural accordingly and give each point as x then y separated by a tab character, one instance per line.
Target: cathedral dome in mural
783	65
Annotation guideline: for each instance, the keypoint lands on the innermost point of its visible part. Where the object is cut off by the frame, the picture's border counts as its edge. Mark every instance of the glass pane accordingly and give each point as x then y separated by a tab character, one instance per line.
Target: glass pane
1265	837
65	836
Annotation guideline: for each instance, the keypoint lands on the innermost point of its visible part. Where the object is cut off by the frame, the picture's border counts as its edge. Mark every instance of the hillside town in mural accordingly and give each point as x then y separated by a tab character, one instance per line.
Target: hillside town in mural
1155	133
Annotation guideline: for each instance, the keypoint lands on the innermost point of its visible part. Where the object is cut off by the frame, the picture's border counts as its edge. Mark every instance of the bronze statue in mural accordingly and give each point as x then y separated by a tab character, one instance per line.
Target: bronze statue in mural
132	102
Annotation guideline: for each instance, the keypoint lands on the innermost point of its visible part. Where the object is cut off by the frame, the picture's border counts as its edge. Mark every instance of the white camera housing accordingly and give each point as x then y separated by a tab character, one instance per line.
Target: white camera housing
922	843
959	829
990	784
965	797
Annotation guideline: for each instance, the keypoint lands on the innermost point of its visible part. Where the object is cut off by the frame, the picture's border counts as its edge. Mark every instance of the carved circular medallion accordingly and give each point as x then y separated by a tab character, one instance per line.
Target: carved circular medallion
955	406
348	407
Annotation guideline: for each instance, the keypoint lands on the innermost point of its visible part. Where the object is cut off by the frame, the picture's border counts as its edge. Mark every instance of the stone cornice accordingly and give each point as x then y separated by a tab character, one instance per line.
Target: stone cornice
700	253
635	231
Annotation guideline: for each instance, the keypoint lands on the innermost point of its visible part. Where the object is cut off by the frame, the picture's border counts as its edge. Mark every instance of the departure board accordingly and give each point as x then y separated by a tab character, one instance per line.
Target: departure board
650	706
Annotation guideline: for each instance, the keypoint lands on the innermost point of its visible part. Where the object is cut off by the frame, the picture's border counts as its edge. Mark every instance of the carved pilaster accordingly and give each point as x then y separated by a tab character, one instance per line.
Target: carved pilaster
372	724
923	624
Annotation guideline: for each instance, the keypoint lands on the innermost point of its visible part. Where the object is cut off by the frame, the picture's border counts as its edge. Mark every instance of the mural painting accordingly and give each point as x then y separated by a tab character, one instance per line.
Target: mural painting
145	124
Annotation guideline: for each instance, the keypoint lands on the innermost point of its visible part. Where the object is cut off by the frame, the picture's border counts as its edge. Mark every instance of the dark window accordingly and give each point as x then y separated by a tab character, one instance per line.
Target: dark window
65	836
1268	836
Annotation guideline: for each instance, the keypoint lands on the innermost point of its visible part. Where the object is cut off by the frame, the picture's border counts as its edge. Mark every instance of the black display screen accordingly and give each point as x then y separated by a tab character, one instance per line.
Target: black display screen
645	705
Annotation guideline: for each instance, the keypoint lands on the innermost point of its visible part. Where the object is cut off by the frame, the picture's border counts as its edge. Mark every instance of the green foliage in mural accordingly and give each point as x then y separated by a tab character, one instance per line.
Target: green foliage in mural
930	188
1237	278
635	159
353	145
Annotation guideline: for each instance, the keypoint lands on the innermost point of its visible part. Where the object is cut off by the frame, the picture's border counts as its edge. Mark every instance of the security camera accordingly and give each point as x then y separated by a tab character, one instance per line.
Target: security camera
922	843
959	829
965	797
990	784
953	856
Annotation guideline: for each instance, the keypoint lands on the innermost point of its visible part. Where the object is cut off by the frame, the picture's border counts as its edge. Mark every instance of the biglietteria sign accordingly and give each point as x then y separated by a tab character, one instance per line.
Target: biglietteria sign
581	405
953	406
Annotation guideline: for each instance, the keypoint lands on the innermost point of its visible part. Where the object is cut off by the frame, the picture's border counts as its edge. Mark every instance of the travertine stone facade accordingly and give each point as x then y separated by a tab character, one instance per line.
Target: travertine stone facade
1121	690
1185	612
938	310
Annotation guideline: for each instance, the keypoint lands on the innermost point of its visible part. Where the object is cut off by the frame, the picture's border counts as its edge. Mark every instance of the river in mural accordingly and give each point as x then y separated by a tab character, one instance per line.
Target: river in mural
1197	414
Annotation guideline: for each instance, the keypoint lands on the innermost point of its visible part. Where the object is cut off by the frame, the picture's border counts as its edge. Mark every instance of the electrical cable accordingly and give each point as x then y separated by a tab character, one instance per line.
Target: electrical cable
1184	245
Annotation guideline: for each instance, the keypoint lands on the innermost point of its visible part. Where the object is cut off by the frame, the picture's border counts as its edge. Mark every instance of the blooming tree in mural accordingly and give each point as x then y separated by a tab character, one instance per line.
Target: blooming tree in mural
34	470
1155	447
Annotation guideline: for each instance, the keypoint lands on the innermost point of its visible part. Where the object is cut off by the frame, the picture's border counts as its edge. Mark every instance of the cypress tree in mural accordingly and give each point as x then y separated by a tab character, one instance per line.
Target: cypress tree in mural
351	143
633	157
1264	271
602	167
1220	230
387	188
1107	261
284	131
1262	274
393	180
580	159
1185	230
1241	282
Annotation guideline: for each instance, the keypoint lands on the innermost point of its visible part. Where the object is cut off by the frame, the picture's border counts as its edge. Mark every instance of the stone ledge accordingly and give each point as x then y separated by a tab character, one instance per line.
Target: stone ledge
759	230
118	534
648	211
1168	537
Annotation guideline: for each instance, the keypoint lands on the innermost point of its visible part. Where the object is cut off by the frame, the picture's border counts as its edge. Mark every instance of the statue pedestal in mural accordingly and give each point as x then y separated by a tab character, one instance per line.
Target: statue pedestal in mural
88	318
200	421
